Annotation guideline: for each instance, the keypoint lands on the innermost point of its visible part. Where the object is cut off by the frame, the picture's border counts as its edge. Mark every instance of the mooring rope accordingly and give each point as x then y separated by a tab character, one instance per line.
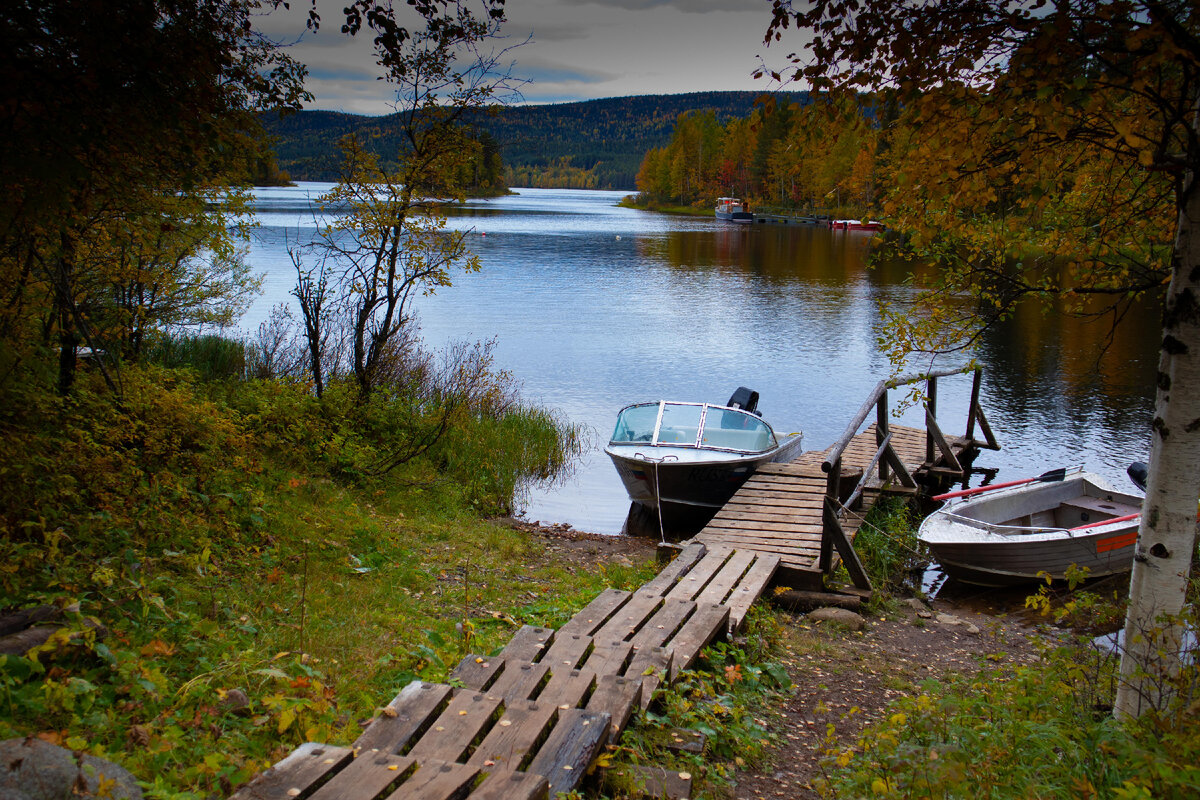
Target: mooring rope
862	523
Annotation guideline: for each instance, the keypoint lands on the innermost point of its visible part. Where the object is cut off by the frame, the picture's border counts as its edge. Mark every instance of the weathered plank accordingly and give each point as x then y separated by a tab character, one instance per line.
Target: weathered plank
792	484
476	671
701	574
683	740
751	587
630	617
794	513
749	540
502	785
651	665
578	737
567	651
457	728
519	680
509	744
403	719
594	614
527	644
608	657
784	538
639	781
436	780
567	687
367	777
616	695
723	582
766	525
663	624
697	632
296	775
670	575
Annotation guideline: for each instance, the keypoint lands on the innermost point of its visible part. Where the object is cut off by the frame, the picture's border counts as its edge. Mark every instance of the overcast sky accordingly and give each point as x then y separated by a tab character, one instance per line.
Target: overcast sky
581	50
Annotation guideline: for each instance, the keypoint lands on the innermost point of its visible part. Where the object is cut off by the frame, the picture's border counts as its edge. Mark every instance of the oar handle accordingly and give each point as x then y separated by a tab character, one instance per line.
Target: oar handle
1052	475
981	489
1100	522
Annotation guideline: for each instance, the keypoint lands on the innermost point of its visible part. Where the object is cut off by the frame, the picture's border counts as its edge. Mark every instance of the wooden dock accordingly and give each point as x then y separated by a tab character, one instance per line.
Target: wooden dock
527	723
805	510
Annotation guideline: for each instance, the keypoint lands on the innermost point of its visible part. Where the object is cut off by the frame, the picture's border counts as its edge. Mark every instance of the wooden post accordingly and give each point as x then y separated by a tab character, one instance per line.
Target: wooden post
973	409
882	431
831	495
833	531
931	413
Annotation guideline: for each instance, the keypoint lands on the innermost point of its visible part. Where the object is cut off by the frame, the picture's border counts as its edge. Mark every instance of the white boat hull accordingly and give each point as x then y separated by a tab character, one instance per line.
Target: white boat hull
679	478
1018	535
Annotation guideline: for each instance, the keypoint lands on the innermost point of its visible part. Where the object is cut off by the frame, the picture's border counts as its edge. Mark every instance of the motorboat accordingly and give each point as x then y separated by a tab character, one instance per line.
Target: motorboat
693	456
732	209
1021	531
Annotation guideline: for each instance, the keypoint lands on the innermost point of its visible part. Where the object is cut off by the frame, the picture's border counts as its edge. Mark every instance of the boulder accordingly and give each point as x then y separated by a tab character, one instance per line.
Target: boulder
841	616
953	621
31	769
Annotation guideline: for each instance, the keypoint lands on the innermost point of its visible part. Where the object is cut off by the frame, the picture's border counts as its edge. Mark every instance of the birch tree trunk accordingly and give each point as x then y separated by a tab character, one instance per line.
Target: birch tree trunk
1167	532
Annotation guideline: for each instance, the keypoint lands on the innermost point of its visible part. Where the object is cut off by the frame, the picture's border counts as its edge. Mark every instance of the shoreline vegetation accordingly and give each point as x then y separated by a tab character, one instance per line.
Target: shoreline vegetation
235	575
236	578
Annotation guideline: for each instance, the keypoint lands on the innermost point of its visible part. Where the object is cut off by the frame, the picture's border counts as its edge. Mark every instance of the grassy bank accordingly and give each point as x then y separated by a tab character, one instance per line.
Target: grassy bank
242	567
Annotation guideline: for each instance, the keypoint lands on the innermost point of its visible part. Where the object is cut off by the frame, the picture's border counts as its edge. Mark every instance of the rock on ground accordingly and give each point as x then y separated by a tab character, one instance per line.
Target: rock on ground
31	769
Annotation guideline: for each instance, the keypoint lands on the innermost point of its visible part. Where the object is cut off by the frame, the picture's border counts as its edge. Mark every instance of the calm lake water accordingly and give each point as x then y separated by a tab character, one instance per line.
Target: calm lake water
594	307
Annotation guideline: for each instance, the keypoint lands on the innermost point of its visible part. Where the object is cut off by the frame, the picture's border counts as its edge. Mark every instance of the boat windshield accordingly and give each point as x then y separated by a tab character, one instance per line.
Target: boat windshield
693	425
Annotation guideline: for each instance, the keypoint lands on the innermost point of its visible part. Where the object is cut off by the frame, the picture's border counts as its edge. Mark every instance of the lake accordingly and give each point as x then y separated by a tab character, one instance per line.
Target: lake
594	307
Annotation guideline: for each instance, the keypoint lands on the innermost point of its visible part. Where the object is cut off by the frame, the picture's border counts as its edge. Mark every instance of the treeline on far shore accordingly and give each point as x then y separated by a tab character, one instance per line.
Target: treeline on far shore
813	155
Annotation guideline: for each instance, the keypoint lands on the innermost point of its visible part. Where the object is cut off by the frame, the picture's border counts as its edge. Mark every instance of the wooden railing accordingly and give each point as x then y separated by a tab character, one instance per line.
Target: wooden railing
886	468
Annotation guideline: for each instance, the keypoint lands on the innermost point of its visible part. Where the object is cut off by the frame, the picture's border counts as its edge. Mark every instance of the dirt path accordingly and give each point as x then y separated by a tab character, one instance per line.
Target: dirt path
845	679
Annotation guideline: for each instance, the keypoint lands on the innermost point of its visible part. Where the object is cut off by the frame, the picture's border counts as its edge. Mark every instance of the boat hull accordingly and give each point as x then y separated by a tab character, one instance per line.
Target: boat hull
739	217
975	541
695	480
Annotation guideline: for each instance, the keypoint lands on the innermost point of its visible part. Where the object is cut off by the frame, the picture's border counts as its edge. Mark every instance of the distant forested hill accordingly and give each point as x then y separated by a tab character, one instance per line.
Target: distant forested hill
593	144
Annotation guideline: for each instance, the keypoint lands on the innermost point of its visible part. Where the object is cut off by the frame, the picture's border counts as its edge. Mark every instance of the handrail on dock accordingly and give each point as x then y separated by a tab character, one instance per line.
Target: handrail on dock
940	458
879	400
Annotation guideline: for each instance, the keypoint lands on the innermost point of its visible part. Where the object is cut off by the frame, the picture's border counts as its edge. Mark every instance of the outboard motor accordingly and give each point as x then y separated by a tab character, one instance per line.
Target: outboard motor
1139	472
746	400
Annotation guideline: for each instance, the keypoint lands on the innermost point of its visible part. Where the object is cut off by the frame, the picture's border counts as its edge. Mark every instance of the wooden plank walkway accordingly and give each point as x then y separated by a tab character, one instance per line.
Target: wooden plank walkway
528	722
781	508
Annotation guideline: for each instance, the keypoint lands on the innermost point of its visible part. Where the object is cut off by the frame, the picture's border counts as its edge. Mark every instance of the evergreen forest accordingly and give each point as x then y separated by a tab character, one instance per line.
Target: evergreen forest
596	144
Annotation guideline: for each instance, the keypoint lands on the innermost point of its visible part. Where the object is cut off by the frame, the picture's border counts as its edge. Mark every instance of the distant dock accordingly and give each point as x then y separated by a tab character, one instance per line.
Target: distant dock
784	219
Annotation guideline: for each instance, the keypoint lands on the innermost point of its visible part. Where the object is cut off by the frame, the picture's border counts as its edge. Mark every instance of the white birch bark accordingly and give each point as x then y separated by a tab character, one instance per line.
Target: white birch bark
1167	532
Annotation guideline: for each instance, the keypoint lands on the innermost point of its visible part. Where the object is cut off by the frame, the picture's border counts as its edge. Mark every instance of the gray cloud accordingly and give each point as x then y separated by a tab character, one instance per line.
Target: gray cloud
580	50
686	6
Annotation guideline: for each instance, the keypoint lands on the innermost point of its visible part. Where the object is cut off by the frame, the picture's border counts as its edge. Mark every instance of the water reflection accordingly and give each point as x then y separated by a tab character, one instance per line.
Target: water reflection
595	307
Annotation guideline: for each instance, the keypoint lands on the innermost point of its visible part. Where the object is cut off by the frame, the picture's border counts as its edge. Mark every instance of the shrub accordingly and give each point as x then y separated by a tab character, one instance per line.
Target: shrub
1036	730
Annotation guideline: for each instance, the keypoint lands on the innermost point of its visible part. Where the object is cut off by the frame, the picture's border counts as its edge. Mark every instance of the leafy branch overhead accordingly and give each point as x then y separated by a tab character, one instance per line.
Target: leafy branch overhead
1046	150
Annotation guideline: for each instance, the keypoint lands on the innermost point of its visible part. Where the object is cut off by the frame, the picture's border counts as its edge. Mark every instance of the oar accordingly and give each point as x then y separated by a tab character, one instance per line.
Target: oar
1046	477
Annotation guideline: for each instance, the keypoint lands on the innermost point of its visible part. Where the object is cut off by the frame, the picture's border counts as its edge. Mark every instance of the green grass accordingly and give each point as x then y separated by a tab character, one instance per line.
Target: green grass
231	541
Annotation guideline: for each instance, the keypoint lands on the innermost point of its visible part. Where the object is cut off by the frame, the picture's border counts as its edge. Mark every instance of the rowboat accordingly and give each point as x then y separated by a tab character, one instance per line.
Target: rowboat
1020	531
689	456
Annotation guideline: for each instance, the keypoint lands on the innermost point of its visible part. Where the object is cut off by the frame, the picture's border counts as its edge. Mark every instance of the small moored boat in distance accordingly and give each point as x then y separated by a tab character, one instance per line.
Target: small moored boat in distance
694	456
732	209
1010	533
